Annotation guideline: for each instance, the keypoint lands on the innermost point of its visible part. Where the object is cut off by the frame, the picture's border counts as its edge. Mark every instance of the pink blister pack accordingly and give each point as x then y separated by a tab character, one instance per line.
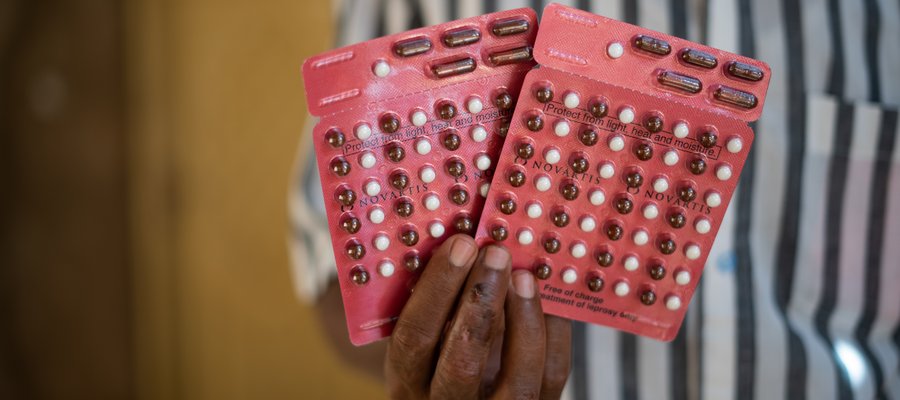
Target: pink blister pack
622	156
411	126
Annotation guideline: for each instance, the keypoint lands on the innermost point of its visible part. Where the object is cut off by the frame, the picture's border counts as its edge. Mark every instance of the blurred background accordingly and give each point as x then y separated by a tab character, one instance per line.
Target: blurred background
145	155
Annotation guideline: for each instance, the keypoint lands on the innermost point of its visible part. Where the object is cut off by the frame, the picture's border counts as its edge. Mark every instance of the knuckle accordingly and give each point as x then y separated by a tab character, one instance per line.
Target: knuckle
524	392
409	341
461	370
479	325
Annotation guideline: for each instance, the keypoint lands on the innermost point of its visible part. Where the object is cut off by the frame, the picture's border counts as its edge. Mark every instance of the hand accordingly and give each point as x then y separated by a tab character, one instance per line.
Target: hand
462	308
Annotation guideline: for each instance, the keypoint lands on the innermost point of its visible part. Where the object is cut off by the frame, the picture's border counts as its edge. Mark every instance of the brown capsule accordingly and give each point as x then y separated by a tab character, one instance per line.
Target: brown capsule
399	180
543	271
687	193
395	152
560	218
358	275
699	58
708	139
508	206
535	123
446	110
334	137
451	141
351	224
456	168
525	150
634	179
735	97
677	220
453	68
459	196
503	101
657	271
599	108
579	164
744	71
464	224
511	56
697	166
684	83
403	208
643	151
409	237
605	258
595	283
667	246
653	45
569	190
588	137
412	47
346	197
543	94
461	37
412	262
508	27
340	166
648	297
355	250
389	123
552	245
624	205
653	123
499	233
503	127
614	232
516	178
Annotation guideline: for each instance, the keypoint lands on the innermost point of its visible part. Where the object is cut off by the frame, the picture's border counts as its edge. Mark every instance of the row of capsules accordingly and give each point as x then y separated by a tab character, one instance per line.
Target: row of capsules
409	148
606	183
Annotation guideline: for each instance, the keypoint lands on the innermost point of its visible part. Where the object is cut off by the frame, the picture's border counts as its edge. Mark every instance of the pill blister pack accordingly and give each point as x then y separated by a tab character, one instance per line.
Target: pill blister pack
622	156
409	132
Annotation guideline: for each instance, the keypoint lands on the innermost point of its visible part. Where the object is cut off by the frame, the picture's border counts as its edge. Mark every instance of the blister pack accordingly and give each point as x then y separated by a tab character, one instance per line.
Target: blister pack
621	159
411	125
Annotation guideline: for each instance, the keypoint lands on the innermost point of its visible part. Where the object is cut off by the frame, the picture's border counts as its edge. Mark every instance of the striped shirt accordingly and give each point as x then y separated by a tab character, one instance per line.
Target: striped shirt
801	294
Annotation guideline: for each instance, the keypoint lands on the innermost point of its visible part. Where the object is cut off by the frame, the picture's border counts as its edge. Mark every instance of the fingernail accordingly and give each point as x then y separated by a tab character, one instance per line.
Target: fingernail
496	258
523	283
460	252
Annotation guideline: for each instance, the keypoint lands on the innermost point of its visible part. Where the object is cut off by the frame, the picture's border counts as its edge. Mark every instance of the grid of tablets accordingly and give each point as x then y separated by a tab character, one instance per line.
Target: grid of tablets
411	125
611	186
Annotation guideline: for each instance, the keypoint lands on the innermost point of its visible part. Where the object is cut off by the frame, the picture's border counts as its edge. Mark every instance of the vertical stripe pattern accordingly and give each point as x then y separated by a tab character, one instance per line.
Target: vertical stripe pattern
579	360
836	79
872	28
628	363
787	251
874	243
834	214
797	300
746	330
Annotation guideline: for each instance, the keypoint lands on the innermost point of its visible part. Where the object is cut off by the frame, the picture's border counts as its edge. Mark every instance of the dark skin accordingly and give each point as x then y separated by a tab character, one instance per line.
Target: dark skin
472	328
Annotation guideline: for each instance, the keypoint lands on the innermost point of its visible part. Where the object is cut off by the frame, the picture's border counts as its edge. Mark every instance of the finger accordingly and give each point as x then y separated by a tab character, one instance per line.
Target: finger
412	348
522	367
478	318
559	356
